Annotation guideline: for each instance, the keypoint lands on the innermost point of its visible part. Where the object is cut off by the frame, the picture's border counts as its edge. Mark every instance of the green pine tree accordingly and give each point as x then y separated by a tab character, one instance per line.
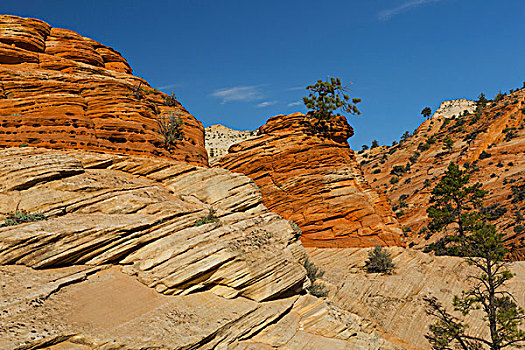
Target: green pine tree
457	207
483	249
327	97
454	208
426	112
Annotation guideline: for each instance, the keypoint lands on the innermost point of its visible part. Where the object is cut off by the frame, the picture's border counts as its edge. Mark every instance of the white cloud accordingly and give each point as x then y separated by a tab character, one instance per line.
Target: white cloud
297	103
387	14
166	87
238	93
296	88
266	104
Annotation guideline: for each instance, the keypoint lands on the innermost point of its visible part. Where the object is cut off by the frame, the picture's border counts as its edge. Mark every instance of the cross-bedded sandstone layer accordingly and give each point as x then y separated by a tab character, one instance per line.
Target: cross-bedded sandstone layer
123	259
307	173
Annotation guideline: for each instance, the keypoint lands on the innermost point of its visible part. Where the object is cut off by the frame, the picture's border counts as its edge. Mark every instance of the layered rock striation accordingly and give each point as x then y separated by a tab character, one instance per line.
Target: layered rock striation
139	252
395	302
307	173
61	90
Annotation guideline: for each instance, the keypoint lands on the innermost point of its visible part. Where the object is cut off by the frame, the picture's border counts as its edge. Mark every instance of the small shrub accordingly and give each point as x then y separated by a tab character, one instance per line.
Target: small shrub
413	158
20	217
296	229
518	193
376	171
318	290
171	100
379	261
484	155
394	180
208	219
398	170
170	127
313	273
519	229
423	146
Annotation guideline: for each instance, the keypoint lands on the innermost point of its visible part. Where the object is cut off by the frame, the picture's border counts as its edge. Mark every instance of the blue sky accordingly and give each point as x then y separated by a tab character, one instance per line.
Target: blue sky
239	62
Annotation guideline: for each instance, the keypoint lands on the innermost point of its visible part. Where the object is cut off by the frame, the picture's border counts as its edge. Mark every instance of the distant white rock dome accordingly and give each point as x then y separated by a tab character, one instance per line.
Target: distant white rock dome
455	107
218	138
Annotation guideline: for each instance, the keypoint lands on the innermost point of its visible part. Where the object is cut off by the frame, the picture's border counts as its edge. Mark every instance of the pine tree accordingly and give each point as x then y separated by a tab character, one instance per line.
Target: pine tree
426	112
454	206
483	249
326	97
458	205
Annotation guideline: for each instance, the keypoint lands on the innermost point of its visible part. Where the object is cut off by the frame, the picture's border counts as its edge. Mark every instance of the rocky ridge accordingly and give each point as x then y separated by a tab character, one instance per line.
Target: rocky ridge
490	145
125	259
307	173
61	90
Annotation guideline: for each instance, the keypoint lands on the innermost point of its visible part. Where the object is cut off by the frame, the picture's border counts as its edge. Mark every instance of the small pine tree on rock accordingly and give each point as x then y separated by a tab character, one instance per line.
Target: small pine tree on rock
426	112
326	97
379	261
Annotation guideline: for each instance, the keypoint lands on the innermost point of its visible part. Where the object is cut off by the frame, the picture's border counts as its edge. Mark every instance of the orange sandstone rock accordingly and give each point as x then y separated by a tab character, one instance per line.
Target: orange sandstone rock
307	173
491	146
61	90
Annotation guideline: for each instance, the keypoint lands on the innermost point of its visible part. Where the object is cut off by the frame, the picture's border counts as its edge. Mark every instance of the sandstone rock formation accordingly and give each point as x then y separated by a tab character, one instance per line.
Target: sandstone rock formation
395	302
61	90
307	173
219	138
491	145
455	108
123	259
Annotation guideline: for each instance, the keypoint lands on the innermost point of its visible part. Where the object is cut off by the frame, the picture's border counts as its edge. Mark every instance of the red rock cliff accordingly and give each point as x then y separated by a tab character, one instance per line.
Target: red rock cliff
307	173
61	90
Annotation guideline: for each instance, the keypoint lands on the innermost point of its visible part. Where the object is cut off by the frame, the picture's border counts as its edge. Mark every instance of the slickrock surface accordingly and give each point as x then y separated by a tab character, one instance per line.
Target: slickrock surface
121	262
108	309
219	138
61	90
311	177
492	146
395	302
